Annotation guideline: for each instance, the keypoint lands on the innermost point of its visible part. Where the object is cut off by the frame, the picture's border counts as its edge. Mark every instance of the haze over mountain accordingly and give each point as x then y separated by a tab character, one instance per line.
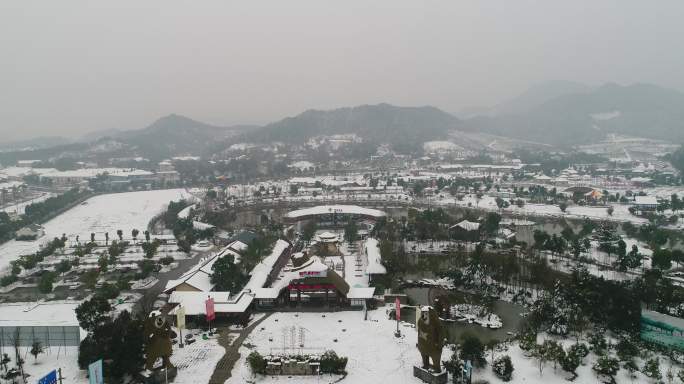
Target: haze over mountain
382	123
36	142
558	113
642	110
175	134
537	95
530	98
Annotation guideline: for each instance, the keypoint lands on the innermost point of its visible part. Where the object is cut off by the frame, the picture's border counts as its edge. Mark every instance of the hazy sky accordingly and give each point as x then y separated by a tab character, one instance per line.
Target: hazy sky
69	67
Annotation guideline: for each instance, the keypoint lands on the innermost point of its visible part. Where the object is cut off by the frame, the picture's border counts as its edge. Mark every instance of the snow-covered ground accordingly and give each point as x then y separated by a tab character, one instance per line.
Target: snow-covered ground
99	214
65	358
620	213
375	355
196	362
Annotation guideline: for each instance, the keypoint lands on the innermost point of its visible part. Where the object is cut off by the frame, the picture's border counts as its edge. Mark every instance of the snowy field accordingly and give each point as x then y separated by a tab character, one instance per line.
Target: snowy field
65	358
375	355
196	362
99	214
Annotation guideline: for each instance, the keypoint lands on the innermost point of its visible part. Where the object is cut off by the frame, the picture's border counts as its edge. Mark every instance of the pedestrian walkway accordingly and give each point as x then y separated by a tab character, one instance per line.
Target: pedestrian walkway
225	366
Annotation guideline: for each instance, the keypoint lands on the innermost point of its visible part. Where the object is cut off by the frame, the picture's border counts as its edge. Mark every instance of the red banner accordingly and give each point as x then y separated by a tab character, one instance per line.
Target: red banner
211	315
310	287
397	305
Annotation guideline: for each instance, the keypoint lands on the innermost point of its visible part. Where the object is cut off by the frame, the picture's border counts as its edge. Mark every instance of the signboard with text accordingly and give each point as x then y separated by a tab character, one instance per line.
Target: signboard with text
322	273
50	378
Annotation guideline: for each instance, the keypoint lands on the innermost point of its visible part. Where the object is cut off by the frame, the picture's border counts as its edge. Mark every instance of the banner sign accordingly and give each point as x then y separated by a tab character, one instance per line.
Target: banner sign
310	287
180	318
397	305
322	273
95	373
50	378
211	315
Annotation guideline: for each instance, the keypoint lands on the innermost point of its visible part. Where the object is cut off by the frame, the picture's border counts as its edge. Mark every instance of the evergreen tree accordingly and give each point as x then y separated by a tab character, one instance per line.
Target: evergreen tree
47	279
226	275
351	231
92	313
503	368
652	369
607	366
308	231
472	349
571	360
36	349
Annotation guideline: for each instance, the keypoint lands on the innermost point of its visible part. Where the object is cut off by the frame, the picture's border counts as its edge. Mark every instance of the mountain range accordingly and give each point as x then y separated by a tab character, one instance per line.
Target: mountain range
559	113
382	123
642	110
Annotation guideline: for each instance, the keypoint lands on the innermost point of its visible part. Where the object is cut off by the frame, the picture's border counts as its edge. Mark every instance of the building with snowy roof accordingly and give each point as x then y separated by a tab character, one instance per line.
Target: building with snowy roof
646	203
333	214
465	230
372	250
194	287
53	323
115	176
198	278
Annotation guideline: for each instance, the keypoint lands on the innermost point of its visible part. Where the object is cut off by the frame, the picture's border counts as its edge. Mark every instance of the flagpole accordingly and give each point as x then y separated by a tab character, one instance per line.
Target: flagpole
397	315
180	331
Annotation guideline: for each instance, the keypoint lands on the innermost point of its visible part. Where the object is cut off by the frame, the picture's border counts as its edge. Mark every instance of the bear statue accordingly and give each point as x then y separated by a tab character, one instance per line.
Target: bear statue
158	335
430	338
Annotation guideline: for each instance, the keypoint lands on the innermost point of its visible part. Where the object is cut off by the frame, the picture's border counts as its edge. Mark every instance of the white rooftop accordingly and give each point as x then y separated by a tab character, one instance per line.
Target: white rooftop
360	293
645	200
374	259
194	302
54	313
340	209
467	225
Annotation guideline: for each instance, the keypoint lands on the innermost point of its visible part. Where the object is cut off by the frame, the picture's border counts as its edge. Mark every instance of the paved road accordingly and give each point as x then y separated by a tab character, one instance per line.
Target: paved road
223	369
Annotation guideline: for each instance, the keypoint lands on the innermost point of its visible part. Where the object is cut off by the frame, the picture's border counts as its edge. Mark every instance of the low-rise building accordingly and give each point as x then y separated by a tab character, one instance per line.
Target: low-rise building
646	203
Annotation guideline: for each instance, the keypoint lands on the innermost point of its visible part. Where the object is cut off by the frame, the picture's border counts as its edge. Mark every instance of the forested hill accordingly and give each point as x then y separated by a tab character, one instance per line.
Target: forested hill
382	123
175	134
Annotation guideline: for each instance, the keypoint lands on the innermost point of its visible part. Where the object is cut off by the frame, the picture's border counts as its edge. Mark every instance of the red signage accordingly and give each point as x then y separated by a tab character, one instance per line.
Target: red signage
397	305
323	273
310	287
211	315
